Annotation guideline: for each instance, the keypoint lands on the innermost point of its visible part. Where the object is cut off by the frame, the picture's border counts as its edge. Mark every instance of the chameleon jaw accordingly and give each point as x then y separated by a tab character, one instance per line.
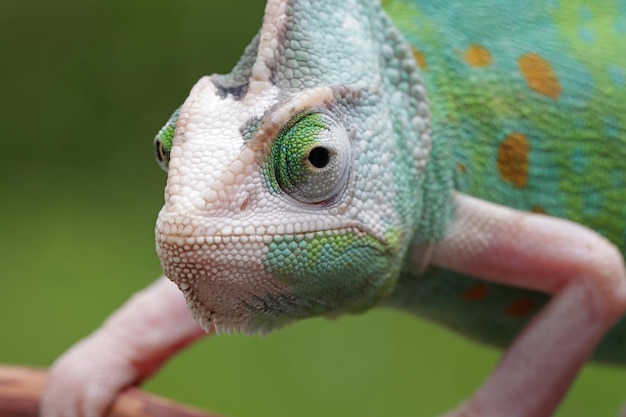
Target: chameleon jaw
215	274
251	283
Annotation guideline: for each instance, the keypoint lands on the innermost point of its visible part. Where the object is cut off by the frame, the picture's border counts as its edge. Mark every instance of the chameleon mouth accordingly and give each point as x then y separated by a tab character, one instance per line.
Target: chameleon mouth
250	276
232	283
172	227
253	284
189	230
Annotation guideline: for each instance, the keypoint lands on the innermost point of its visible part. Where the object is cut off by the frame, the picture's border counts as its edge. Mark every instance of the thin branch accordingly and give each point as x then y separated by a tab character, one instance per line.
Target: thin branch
21	388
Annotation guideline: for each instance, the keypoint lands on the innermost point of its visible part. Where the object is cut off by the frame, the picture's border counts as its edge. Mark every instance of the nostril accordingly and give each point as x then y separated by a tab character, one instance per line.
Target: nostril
245	204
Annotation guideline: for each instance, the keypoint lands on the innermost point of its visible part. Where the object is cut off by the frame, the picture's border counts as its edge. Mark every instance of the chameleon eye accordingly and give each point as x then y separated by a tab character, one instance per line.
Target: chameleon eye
309	160
163	141
161	153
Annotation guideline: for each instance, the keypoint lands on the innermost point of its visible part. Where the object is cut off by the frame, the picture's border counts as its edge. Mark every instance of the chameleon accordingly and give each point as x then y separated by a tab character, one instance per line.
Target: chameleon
463	162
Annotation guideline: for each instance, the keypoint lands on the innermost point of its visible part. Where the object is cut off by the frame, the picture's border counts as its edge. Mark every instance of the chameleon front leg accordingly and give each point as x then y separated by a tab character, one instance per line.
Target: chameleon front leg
130	346
584	272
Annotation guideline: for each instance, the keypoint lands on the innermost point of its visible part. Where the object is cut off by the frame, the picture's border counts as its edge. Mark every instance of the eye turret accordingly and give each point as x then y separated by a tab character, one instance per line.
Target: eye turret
309	159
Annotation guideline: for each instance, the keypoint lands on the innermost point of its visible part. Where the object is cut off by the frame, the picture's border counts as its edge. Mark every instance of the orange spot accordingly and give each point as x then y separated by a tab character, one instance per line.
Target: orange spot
540	75
476	293
420	59
478	56
538	209
520	308
461	168
513	159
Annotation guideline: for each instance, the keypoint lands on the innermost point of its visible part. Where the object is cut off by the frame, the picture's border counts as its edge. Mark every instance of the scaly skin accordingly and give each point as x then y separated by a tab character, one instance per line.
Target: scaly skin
530	104
317	178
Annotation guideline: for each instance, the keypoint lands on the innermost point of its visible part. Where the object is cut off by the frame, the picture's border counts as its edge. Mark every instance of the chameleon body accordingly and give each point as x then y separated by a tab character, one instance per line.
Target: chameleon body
530	104
349	162
526	112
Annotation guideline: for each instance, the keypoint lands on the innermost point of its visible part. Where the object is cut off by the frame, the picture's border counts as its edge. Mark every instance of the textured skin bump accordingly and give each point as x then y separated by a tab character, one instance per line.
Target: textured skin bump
255	231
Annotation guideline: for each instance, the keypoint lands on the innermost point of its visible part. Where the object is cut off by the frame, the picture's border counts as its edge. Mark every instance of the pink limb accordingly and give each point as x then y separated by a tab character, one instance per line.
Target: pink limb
130	346
584	272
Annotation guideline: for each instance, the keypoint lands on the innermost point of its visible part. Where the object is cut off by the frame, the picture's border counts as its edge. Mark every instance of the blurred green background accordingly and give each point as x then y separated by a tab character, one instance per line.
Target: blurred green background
84	86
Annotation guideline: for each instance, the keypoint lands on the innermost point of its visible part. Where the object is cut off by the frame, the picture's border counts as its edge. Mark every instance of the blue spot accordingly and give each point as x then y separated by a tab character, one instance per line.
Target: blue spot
587	35
617	179
580	124
620	26
579	161
616	73
585	14
592	202
612	127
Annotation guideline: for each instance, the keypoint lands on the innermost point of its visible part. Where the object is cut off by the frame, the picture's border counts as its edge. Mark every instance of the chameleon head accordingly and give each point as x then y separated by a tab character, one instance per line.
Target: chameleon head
288	199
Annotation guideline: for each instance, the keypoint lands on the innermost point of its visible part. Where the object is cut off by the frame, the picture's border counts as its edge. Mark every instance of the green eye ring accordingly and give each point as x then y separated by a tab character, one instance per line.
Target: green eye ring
309	159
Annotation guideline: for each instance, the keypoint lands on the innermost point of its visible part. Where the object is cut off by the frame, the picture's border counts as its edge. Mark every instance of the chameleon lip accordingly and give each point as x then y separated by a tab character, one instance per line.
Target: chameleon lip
212	239
234	237
173	228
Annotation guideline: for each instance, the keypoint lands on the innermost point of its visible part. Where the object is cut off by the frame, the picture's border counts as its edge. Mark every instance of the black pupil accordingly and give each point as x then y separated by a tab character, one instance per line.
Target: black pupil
319	157
160	151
